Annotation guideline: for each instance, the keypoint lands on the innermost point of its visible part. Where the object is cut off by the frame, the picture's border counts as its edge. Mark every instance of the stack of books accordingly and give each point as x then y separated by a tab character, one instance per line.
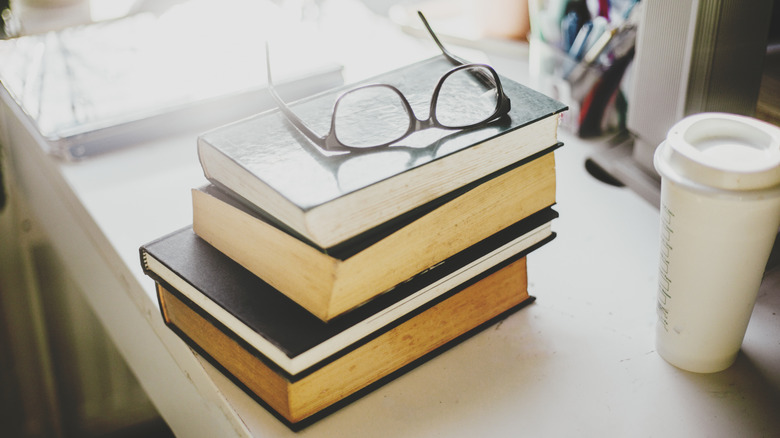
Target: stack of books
310	277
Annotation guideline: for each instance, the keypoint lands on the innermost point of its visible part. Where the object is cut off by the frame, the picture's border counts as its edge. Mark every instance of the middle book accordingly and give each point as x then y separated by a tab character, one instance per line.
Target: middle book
331	281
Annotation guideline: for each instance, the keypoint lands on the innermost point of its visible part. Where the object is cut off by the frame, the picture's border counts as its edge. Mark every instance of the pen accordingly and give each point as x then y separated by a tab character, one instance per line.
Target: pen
601	43
599	27
577	14
569	28
577	49
604	8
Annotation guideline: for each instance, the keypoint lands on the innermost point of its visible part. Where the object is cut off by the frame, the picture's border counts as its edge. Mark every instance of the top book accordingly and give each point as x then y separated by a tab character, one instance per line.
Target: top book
329	197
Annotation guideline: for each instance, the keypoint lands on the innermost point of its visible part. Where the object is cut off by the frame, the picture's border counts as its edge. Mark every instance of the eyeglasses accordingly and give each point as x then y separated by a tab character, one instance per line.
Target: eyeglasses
375	116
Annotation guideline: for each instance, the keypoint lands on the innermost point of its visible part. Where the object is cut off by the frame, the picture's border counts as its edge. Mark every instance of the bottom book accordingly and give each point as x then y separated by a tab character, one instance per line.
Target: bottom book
304	399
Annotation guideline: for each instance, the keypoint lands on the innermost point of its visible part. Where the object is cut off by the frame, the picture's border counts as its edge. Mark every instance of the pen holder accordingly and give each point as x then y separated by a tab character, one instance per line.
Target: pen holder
597	105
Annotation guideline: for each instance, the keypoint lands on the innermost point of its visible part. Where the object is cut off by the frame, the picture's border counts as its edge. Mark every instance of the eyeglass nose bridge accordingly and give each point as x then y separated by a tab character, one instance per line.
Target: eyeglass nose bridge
420	124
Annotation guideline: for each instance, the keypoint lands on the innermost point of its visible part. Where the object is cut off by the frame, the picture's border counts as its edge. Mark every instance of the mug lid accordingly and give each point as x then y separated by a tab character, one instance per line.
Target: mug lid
722	151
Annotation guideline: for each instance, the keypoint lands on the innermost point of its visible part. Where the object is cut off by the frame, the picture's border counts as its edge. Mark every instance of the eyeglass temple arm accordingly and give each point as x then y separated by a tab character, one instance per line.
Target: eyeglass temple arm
453	58
486	79
294	119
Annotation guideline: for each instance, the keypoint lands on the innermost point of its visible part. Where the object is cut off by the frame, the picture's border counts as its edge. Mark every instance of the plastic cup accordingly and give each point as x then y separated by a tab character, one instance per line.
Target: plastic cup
720	213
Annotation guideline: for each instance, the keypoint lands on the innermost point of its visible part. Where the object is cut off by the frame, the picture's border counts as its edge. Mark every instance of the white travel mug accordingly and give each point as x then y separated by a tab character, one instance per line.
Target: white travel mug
720	213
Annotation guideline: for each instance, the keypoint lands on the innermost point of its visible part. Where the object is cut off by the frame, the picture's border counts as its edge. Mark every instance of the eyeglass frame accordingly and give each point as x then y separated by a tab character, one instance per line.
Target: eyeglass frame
330	141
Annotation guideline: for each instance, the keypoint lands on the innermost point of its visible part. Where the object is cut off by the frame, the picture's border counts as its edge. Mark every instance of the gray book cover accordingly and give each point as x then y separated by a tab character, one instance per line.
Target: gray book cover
265	160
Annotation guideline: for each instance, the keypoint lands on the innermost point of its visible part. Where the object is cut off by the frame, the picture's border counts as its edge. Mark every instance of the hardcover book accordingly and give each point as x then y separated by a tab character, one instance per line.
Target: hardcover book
330	282
301	399
286	333
329	197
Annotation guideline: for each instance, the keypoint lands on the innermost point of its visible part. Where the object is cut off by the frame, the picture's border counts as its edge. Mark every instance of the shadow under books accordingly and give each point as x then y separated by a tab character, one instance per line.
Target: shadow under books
726	392
465	380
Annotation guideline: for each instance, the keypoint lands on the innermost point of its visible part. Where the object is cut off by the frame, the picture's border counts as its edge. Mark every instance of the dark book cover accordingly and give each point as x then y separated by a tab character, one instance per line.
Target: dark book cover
188	261
267	161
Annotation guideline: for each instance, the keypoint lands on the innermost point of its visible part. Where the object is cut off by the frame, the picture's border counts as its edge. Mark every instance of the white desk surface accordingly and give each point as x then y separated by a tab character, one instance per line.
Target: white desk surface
578	362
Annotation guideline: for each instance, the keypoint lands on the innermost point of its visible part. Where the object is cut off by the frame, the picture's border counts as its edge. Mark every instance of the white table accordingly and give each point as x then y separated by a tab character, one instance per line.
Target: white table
578	362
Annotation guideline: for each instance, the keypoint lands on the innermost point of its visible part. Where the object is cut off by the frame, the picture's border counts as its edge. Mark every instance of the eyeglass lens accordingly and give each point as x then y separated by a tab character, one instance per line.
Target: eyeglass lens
464	100
370	116
376	115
